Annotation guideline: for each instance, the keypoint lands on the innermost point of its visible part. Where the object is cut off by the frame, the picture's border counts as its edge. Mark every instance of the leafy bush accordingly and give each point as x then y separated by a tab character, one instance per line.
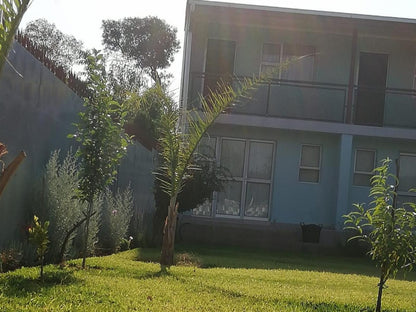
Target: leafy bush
115	216
10	259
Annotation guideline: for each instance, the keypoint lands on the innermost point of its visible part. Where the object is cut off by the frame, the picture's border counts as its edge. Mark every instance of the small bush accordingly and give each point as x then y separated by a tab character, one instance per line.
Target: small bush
116	212
10	259
64	208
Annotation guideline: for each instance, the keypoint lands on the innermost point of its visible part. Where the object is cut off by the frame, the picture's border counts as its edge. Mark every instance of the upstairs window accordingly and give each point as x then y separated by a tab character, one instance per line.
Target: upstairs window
297	61
310	163
300	60
270	59
364	166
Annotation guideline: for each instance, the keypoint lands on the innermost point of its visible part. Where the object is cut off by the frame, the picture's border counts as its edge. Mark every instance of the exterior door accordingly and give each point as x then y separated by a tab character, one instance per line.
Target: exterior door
219	63
372	76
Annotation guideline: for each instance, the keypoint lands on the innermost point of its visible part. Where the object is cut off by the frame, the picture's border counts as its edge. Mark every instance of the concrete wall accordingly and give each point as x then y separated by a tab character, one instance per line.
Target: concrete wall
37	111
36	114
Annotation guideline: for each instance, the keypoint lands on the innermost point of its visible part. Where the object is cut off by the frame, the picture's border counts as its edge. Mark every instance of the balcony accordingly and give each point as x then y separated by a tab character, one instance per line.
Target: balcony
305	100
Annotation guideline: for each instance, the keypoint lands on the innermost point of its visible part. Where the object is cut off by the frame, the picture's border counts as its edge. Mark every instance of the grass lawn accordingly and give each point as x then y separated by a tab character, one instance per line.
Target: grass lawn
225	279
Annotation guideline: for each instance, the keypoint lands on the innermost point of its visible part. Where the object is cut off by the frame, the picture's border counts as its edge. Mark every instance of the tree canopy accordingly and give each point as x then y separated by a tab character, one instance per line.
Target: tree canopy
65	50
149	41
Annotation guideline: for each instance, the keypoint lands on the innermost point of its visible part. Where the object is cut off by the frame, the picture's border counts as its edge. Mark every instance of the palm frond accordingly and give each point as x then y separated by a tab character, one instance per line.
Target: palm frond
177	148
11	13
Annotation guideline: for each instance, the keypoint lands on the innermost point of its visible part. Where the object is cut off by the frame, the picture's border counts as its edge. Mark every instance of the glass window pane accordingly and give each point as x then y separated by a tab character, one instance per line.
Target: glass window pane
260	160
271	53
362	179
229	200
364	161
301	60
310	156
204	209
207	147
309	175
257	200
407	174
232	156
270	69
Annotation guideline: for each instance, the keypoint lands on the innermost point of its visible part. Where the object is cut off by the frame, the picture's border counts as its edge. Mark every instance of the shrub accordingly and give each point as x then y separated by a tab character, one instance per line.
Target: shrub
10	259
64	208
115	216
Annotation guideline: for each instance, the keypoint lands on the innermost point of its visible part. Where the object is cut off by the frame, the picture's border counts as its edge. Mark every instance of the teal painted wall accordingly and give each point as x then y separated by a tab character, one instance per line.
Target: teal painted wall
294	201
332	51
384	148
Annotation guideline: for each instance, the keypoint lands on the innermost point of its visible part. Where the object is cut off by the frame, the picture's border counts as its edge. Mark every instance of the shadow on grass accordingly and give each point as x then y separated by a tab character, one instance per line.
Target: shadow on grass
305	306
20	285
206	257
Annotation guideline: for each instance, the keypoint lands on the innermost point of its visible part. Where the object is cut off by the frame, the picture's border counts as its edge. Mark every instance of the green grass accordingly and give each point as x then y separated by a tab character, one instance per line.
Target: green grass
225	279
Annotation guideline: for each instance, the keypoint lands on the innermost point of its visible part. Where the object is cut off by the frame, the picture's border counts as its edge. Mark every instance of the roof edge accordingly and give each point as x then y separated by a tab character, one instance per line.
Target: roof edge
303	11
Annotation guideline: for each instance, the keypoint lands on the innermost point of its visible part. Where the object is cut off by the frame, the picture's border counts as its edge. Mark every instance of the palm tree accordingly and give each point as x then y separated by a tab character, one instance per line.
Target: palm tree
177	147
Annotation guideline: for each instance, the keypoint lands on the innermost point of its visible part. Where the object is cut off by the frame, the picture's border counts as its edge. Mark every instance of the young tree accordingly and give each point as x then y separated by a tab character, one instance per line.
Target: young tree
102	138
177	149
63	49
389	230
149	42
38	235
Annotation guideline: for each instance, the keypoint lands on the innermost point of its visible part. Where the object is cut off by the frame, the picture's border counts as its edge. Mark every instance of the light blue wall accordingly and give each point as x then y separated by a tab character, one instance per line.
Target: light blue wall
384	148
294	201
332	51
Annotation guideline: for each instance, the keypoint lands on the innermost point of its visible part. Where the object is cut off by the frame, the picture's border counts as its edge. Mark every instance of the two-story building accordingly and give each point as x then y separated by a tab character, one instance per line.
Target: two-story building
303	148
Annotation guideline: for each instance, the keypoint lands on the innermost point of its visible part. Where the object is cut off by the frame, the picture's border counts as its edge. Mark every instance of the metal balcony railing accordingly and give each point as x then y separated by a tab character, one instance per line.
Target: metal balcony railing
389	107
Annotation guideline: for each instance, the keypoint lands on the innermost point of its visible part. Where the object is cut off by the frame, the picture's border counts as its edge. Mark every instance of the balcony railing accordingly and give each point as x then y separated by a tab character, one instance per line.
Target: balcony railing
307	100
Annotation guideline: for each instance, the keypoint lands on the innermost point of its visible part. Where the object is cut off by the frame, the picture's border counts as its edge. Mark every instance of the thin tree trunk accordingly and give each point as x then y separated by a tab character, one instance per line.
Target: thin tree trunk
87	225
380	292
67	236
41	267
10	169
168	242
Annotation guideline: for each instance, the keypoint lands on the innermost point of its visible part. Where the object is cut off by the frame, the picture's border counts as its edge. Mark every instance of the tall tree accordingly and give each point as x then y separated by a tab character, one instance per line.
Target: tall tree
103	141
149	41
63	49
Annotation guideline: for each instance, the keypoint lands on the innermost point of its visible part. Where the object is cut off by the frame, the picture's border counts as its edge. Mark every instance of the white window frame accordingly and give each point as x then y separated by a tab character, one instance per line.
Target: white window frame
371	173
214	196
309	167
282	59
405	193
245	179
274	64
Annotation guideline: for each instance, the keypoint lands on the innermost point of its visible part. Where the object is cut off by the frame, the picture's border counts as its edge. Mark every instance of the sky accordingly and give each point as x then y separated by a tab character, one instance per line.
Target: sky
82	18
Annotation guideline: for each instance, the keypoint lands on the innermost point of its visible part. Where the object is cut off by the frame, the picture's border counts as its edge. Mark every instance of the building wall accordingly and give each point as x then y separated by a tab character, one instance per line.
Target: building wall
294	201
331	50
